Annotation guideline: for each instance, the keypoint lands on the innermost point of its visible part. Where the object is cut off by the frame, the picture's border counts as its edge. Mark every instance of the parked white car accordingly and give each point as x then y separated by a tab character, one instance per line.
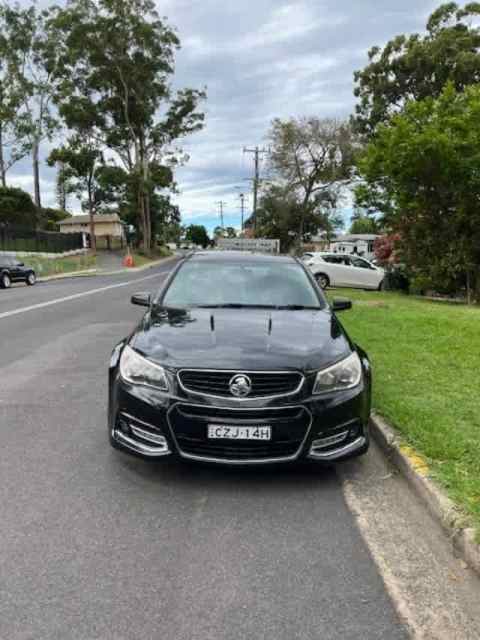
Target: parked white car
340	270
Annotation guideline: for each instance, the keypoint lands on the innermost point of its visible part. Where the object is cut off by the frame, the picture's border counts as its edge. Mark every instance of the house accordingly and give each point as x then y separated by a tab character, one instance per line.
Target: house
109	229
360	243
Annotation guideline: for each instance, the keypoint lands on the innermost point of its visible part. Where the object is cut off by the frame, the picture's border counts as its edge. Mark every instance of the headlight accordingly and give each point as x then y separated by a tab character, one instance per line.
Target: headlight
342	375
136	369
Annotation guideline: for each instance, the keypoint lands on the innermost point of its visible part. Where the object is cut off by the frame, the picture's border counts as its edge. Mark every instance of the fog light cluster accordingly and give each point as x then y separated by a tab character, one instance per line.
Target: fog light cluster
132	427
329	441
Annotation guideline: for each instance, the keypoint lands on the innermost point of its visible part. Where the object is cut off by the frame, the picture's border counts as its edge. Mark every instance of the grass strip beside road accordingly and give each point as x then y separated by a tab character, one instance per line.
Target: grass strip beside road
141	260
426	360
45	267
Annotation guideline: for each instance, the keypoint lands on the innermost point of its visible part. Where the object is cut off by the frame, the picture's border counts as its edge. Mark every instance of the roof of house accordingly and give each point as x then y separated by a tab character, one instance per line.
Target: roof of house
107	217
353	237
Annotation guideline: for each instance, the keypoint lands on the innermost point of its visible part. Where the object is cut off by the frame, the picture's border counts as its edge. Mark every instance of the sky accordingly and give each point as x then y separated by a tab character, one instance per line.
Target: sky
258	60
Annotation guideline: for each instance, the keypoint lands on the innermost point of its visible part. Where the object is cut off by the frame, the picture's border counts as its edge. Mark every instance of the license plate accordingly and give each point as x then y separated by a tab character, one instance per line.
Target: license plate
226	432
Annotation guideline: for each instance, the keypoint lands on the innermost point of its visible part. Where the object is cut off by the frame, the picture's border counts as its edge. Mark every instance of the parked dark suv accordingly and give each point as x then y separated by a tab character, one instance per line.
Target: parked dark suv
11	270
240	359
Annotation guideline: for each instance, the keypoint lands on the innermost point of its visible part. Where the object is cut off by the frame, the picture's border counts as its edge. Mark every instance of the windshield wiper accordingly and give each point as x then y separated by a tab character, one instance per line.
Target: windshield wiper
296	307
234	305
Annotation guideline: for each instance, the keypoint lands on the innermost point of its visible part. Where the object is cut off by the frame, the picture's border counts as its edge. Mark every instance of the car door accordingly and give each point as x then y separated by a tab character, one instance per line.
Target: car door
16	271
363	274
335	269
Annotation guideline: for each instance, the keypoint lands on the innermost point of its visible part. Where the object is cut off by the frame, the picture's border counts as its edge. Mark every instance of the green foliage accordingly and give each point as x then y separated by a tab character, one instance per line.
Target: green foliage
48	218
416	67
17	208
362	223
281	214
29	55
312	159
230	232
425	165
123	91
197	234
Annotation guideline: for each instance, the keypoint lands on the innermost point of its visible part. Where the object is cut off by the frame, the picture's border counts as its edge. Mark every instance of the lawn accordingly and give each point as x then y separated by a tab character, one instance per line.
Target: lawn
140	259
426	360
52	266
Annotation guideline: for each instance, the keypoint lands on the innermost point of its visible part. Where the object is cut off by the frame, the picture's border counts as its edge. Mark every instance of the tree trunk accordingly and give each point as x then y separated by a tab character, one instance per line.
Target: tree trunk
141	207
36	173
302	223
476	287
3	175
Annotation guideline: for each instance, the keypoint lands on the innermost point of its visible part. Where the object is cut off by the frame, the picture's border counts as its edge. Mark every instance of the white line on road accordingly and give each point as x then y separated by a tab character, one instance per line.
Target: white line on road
48	303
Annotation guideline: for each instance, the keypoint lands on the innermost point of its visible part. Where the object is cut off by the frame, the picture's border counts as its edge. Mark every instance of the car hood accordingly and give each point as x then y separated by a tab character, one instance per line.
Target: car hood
241	338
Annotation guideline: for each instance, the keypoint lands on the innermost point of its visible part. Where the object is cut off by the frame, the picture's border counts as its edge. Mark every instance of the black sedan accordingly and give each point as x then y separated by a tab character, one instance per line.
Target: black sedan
240	359
12	270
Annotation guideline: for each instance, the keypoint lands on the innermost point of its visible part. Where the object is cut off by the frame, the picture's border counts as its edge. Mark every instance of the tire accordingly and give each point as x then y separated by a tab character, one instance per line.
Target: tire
31	279
381	286
323	280
5	281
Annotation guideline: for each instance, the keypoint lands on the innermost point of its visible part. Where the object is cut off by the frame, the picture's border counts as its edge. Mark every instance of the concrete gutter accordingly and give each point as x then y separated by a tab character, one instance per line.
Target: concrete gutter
71	274
98	272
415	470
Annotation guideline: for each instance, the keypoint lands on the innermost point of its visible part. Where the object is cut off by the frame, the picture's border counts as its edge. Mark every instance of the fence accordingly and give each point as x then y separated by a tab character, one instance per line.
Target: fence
13	238
260	245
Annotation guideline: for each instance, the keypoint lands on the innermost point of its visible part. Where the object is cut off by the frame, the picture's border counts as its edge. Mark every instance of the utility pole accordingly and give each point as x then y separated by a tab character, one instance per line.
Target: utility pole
220	204
242	209
256	180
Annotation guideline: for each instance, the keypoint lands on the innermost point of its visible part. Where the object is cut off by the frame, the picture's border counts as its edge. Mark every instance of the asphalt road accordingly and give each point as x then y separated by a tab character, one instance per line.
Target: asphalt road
97	545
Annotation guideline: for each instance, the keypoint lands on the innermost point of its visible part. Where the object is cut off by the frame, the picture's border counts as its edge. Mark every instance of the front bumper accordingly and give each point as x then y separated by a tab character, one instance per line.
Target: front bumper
152	424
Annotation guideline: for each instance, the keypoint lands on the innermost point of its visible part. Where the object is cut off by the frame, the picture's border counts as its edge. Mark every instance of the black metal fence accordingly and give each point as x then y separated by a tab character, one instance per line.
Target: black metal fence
13	238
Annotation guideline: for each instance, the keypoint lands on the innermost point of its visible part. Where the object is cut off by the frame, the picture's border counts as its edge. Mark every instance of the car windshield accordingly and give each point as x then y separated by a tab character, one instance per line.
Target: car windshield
264	284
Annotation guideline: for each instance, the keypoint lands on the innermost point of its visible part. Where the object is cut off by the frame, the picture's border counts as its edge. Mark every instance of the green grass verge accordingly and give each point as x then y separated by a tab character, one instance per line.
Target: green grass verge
140	259
45	267
426	360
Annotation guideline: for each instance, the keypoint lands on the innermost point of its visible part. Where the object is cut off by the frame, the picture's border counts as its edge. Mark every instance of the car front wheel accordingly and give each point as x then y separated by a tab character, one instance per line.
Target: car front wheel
31	279
322	280
5	282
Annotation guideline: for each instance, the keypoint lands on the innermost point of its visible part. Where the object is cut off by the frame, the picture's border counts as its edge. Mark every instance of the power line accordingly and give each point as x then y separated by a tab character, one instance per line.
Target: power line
256	179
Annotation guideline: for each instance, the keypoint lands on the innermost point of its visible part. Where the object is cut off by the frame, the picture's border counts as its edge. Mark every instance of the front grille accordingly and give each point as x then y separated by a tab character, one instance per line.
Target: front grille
217	383
189	424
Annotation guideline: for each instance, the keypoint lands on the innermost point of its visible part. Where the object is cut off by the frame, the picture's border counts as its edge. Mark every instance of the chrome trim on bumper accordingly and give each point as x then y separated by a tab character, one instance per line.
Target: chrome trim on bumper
140	447
230	461
338	453
323	443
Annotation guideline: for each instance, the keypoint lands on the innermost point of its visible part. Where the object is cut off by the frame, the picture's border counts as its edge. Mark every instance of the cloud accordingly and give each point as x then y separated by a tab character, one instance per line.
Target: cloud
259	60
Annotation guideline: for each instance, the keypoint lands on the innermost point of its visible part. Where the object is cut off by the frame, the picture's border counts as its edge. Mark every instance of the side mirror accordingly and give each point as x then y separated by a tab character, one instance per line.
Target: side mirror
341	304
141	299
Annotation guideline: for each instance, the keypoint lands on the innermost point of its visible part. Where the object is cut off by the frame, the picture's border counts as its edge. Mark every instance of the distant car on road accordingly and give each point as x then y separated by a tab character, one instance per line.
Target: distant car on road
340	270
239	360
11	270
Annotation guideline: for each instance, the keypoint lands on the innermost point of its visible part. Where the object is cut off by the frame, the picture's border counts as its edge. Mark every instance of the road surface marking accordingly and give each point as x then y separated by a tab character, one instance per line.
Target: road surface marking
41	305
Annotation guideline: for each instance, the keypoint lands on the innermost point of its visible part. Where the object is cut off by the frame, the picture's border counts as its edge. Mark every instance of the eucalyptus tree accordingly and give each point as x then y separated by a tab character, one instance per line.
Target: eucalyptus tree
418	66
312	159
29	58
118	55
82	160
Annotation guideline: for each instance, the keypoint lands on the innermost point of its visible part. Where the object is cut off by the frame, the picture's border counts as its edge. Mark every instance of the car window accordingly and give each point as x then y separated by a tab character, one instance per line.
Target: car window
333	259
273	284
347	261
358	262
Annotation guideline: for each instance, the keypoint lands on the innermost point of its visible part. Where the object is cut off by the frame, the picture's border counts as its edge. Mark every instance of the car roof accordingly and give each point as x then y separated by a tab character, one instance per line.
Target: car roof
228	257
